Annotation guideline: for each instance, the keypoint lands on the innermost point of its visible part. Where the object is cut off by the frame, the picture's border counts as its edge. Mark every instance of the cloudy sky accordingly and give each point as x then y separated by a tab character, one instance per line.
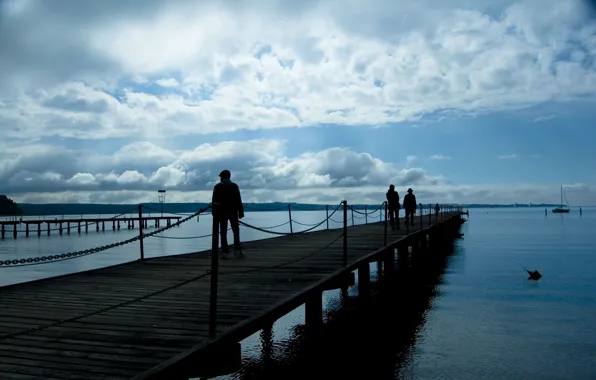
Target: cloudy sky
310	101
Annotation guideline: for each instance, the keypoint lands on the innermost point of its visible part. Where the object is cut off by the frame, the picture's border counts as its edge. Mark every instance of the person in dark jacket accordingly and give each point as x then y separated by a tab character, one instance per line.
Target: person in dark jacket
410	206
393	207
227	206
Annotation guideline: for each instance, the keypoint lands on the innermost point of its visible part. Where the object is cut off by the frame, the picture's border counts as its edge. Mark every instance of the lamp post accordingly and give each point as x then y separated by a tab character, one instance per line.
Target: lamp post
161	197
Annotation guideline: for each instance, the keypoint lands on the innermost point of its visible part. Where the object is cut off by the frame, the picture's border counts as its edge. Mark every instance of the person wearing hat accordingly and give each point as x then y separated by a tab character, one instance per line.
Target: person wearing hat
227	206
410	206
393	206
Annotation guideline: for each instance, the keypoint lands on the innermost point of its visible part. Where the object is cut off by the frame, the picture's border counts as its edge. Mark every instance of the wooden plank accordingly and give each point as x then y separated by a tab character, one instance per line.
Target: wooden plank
124	320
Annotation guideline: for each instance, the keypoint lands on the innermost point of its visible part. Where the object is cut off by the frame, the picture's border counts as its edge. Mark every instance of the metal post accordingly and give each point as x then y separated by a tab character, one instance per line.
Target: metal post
385	233
345	232
365	215
421	212
381	212
327	214
141	232
352	215
214	272
290	216
430	213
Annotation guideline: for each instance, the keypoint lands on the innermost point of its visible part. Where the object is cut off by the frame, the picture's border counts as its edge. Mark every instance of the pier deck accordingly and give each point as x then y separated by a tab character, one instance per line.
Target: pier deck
123	321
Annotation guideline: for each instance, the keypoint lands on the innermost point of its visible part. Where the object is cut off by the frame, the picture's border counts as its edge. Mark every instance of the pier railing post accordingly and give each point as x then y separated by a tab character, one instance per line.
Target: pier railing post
421	215
385	233
327	215
430	214
214	270
365	215
290	216
141	232
345	232
352	209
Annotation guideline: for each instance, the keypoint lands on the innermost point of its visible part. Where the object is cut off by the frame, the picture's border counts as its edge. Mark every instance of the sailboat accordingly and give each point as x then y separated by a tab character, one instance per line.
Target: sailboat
563	208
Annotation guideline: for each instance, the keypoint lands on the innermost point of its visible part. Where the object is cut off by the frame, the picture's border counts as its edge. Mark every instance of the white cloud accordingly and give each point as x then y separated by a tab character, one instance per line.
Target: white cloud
115	71
439	157
540	119
507	156
224	66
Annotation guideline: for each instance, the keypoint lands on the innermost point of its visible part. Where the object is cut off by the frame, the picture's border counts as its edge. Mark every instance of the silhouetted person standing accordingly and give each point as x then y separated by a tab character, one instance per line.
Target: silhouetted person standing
410	206
228	207
393	207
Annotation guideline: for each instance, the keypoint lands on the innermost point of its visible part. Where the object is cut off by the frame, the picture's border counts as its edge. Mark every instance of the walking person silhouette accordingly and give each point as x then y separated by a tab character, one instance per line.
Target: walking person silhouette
393	207
410	206
227	206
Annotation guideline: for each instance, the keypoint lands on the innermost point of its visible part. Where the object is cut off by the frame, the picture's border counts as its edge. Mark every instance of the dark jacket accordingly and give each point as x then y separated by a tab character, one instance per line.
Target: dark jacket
228	196
392	200
410	202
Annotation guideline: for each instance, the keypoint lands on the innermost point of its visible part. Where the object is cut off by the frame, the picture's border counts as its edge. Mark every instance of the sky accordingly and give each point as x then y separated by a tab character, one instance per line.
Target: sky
464	101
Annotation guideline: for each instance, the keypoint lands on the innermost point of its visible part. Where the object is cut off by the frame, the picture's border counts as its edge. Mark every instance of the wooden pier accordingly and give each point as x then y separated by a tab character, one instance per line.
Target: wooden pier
82	224
165	318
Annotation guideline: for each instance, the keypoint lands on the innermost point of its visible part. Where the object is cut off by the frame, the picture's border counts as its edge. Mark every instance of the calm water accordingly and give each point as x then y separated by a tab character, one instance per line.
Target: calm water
483	320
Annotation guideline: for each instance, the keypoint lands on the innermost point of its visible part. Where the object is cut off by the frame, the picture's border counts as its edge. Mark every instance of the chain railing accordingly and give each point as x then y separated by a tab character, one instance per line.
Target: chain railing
362	213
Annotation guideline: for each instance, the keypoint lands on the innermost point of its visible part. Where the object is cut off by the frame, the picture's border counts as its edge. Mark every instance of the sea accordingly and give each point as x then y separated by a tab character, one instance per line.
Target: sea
483	318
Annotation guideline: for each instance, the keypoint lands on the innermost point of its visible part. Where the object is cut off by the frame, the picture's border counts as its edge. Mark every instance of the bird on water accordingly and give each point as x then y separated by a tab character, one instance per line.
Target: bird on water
534	275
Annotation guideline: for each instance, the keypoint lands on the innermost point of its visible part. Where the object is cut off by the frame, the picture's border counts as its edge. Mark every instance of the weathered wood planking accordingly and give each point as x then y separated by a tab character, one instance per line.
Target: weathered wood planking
125	340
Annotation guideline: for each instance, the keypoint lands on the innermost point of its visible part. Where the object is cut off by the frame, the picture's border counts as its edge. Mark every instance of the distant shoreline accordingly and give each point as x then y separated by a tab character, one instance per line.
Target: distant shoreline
173	208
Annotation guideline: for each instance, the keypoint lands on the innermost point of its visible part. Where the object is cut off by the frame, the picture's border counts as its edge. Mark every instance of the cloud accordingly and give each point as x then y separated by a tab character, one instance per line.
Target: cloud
130	76
507	156
540	119
439	157
177	68
143	166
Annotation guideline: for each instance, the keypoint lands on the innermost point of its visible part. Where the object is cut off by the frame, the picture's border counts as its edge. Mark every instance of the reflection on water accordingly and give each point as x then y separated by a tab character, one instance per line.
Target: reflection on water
360	339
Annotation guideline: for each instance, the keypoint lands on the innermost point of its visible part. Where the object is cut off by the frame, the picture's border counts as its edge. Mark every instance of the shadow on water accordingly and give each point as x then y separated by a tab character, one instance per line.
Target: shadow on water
368	337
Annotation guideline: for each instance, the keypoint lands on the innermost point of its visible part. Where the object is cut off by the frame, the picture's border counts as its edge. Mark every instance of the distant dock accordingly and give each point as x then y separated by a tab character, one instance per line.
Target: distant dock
82	224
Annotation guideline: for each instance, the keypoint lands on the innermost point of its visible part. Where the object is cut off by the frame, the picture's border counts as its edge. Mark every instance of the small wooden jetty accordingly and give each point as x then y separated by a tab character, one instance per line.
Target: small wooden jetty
164	318
61	225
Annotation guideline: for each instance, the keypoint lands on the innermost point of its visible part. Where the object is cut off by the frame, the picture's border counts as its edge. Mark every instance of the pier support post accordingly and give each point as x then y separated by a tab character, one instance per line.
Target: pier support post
14	230
364	281
60	228
79	227
68	228
415	243
365	215
214	270
26	229
313	317
267	344
142	249
385	229
345	232
389	263
3	231
430	214
39	229
290	218
48	226
327	215
97	226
